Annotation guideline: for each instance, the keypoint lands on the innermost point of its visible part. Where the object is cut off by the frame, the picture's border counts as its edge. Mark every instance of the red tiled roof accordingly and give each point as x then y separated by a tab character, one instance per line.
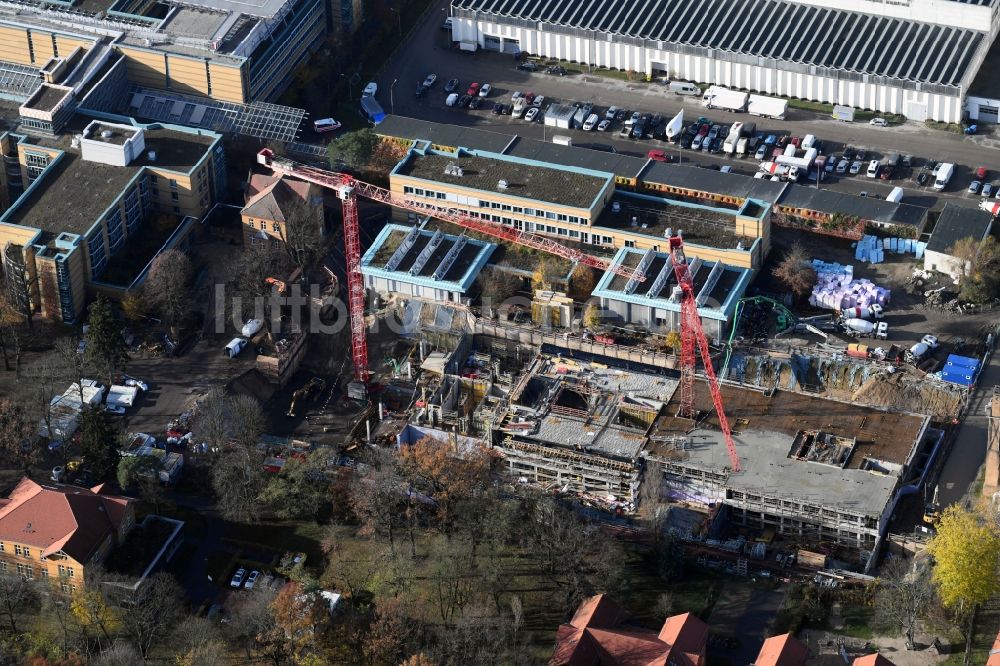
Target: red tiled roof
994	658
56	517
783	650
878	660
273	196
594	635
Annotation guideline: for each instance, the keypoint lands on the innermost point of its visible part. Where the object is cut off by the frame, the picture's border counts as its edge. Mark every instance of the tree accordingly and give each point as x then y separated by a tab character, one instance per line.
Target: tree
93	612
545	274
106	347
17	435
135	306
903	594
301	488
582	282
295	618
376	497
168	285
99	441
445	473
353	148
672	340
387	635
10	332
246	420
198	642
302	234
119	654
965	550
795	272
651	500
979	282
496	285
211	423
17	593
238	480
592	316
148	613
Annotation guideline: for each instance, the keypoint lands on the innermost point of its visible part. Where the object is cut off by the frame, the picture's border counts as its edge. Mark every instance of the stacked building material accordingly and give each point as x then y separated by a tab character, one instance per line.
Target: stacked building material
836	288
872	249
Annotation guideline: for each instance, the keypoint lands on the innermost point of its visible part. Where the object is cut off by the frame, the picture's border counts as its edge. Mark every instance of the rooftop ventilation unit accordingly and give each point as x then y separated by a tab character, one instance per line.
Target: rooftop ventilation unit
502	185
106	134
453	169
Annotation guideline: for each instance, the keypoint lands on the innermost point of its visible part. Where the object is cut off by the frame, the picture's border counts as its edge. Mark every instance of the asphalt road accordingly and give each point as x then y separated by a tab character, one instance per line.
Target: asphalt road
428	51
969	449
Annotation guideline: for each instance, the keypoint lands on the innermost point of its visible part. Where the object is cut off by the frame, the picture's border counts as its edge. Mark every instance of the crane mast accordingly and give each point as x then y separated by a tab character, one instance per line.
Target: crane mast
692	337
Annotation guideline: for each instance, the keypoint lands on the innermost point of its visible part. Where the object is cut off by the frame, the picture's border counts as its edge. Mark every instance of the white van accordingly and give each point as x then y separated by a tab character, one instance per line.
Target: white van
325	125
683	88
235	346
896	195
562	140
807	142
873	168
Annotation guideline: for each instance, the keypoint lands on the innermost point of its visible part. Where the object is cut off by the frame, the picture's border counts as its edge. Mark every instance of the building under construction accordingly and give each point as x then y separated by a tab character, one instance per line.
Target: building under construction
815	472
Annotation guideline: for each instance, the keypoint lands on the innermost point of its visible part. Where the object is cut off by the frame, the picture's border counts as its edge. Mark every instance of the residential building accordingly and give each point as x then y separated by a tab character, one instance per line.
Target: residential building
878	660
409	262
955	223
783	650
597	635
271	201
218	49
82	200
918	58
58	533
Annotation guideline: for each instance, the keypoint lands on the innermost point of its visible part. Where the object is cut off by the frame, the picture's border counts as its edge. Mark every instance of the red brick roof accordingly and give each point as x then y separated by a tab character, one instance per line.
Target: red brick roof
267	196
878	660
57	518
783	650
994	658
595	635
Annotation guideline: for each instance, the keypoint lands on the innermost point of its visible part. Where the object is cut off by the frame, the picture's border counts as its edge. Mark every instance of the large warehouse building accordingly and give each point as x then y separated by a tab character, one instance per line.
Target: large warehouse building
914	57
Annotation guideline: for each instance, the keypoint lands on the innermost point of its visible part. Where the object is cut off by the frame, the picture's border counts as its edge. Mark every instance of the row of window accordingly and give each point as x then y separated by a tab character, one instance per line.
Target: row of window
18	549
28	571
263	225
495	205
255	239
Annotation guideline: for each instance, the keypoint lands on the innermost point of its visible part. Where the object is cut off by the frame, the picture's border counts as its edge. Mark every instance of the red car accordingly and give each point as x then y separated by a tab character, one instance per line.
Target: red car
886	173
981	173
529	98
703	130
473	90
658	156
796	141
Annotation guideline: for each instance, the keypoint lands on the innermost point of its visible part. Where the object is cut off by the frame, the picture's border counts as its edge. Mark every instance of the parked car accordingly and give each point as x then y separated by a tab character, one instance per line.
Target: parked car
558	70
622	115
611	113
532	113
922	178
118	410
980	173
527	66
830	164
465	100
252	579
591	122
451	86
855	167
447	24
421	90
696	142
842	166
878	122
529	98
238	577
860	155
603	125
974	187
686	142
498	108
430	80
473	89
370	89
657	155
873	168
770	140
848	152
987	190
886	172
713	132
516	95
485	90
451	100
476	102
634	118
726	169
761	152
325	125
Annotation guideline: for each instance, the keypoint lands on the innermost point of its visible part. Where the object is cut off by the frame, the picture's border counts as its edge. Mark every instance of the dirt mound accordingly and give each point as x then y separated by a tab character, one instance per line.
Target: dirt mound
908	393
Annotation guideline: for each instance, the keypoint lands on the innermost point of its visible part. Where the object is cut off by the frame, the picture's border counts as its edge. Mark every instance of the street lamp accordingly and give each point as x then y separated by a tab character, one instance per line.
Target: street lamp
392	103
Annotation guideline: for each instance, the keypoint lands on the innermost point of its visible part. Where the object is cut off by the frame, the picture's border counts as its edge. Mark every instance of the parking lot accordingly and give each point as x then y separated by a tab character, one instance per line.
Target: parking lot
429	51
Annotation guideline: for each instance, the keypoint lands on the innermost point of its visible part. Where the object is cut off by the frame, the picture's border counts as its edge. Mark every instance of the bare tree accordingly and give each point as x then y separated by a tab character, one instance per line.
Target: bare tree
148	613
19	284
17	435
198	641
795	272
69	359
238	480
211	425
582	282
249	617
377	498
903	595
168	284
651	500
119	654
497	285
17	593
11	340
302	233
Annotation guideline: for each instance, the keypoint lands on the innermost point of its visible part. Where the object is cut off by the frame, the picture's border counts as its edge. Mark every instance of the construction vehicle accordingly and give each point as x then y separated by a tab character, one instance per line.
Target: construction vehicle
349	188
278	285
692	336
871	313
863	328
313	388
917	352
858	350
932	510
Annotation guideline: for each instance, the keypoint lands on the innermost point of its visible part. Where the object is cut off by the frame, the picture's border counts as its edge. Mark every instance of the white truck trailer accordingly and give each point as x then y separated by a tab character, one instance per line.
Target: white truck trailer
717	97
767	107
944	174
733	138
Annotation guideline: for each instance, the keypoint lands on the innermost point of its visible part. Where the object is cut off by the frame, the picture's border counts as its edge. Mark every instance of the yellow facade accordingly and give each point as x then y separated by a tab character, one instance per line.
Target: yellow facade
188	75
145	68
227	82
14	45
252	226
43	46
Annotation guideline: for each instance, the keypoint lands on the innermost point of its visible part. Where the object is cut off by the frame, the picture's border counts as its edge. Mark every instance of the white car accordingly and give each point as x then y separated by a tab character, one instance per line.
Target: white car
238	577
603	125
428	82
635	118
252	579
370	89
451	100
538	101
485	90
136	382
760	174
761	153
516	95
878	122
251	327
325	125
115	409
611	113
531	114
590	122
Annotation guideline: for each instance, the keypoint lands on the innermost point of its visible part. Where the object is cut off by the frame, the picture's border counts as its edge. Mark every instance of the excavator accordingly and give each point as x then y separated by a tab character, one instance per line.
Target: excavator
313	388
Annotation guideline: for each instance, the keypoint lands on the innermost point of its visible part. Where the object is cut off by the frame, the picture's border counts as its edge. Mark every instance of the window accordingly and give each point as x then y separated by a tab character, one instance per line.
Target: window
152	178
173	184
27	552
70	570
250	224
177	210
174	196
67	588
1	547
276	228
17	549
25	571
45	573
3	567
62	570
407	189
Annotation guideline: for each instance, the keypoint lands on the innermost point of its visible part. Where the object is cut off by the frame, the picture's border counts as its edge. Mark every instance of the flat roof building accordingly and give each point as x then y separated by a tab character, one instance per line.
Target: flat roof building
410	262
654	304
80	201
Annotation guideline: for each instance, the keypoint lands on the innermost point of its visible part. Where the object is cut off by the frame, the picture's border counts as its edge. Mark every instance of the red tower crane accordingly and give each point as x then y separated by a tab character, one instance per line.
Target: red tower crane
348	188
693	334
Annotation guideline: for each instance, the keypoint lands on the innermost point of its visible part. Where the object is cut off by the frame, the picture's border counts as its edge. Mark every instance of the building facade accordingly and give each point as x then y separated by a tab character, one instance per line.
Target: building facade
270	203
916	58
85	198
57	533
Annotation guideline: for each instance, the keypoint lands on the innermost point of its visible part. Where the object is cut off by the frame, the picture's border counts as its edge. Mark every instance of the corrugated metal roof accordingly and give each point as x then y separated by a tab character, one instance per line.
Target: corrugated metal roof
709	180
821	36
865	208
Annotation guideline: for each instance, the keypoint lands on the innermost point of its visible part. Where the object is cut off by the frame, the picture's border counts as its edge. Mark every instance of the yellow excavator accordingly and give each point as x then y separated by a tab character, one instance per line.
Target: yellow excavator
313	388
